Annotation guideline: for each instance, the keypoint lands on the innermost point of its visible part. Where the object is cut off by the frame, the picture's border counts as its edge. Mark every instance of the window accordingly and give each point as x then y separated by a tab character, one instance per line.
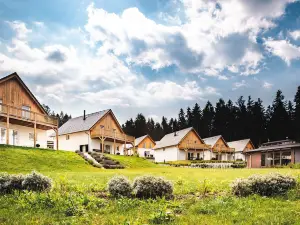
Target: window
277	158
263	159
3	135
150	145
31	136
107	149
15	137
144	145
67	137
0	105
26	112
286	158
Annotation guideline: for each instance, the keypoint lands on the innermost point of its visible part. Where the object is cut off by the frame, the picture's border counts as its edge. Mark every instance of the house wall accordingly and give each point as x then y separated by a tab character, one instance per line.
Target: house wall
249	146
219	144
191	138
254	160
108	122
239	155
169	154
297	156
147	143
13	93
22	138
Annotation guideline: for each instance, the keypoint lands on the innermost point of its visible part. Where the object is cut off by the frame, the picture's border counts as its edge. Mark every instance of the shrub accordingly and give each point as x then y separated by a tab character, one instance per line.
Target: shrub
36	182
119	186
152	187
10	183
265	185
238	165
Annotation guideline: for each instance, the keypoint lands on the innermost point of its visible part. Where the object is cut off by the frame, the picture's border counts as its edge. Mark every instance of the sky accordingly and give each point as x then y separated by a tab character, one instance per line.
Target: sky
151	57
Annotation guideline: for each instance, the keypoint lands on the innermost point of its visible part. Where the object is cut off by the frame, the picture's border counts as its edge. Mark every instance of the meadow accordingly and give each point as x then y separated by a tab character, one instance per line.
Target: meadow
79	196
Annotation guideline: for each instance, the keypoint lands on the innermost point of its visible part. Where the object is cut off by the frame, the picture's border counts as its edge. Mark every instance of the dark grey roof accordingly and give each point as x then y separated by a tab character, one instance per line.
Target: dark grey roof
78	124
275	148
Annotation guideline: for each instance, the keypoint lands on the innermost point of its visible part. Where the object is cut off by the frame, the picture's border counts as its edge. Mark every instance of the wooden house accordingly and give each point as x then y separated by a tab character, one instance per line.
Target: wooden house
23	120
184	144
240	148
99	131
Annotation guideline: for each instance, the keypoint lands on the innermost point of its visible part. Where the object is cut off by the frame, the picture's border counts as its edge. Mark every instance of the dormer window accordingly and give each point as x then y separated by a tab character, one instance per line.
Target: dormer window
26	112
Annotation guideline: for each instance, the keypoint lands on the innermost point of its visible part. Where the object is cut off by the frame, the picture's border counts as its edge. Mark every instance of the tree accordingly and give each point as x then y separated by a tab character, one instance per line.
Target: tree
197	116
241	119
208	115
181	120
220	123
259	134
129	127
140	125
297	114
189	117
278	124
165	126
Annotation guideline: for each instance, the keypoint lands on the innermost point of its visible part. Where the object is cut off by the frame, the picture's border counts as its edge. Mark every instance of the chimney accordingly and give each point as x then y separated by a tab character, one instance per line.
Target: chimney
84	117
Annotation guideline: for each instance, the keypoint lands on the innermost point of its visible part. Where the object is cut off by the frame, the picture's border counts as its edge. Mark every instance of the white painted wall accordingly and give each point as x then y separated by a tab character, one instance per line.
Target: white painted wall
240	155
22	136
82	138
169	154
141	151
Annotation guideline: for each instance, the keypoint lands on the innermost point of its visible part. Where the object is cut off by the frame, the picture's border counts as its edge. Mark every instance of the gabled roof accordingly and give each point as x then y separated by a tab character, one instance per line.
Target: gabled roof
172	140
239	145
78	124
213	140
140	139
17	77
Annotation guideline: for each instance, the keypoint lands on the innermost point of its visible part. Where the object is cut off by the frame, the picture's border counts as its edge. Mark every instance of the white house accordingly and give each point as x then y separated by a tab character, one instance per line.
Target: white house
144	146
220	149
98	131
241	147
23	120
180	145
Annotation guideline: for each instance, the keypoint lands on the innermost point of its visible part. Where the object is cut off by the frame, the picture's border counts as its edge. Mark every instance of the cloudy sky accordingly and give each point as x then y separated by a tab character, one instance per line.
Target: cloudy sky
152	56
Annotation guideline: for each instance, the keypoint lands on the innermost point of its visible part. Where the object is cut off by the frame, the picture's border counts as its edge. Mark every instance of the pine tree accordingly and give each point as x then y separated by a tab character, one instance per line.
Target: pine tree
197	117
220	123
208	120
291	122
182	120
241	119
165	126
140	125
297	114
258	123
189	117
278	124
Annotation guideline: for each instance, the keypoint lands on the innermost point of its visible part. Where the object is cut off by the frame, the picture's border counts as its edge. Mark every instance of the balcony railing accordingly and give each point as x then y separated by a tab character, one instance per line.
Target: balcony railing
223	149
194	146
26	115
98	133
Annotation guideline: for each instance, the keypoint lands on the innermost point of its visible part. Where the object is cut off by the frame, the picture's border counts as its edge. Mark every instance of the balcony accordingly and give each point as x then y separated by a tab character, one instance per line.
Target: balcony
27	118
111	135
194	147
223	150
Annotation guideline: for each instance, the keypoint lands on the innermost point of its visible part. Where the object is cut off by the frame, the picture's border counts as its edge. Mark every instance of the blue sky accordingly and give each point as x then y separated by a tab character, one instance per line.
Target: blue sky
153	56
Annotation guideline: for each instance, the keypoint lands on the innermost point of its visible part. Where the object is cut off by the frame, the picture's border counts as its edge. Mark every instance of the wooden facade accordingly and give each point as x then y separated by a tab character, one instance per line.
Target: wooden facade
192	143
109	129
222	147
146	143
19	106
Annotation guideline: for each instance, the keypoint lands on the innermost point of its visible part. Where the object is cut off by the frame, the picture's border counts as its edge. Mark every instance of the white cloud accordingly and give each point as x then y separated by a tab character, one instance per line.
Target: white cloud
295	34
238	85
152	94
267	85
20	28
283	49
203	42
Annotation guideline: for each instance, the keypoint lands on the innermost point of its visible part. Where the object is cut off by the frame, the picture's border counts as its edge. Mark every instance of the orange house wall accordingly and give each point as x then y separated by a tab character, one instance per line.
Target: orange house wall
146	141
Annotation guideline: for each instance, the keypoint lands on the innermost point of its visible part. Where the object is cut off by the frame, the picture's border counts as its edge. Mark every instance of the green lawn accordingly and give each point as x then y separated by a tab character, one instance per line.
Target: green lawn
79	195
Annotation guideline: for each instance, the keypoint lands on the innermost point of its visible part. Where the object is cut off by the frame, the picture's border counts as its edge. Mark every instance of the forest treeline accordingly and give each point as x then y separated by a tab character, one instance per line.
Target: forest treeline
245	118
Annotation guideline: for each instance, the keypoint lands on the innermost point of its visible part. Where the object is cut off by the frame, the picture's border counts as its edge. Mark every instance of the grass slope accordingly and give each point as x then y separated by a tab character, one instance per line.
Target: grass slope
20	159
133	161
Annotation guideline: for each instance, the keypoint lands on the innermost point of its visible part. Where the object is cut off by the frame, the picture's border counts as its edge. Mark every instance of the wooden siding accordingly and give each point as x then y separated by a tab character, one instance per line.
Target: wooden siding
14	94
221	146
192	141
249	146
147	141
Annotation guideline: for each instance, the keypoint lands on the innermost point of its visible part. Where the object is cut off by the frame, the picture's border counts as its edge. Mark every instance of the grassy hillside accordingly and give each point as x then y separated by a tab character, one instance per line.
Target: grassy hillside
133	161
17	159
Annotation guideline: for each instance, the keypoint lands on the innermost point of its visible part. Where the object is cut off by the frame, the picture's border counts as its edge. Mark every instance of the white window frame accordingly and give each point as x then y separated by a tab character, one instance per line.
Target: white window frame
26	110
31	136
67	137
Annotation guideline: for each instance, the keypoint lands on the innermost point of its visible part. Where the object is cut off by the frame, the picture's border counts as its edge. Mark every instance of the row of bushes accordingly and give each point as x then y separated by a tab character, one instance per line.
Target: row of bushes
189	162
31	182
265	185
218	165
142	187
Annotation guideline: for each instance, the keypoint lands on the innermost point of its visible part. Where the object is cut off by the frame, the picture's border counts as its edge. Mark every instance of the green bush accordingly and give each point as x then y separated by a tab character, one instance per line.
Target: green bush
265	185
10	183
36	182
239	165
119	186
152	187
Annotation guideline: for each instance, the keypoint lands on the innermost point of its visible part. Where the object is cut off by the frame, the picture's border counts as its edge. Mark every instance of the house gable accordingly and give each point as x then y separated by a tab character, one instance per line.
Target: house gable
220	143
15	93
191	138
109	122
249	146
146	142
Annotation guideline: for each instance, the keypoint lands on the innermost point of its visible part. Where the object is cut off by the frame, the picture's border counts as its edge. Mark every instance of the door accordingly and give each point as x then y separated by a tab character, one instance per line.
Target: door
3	136
13	137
